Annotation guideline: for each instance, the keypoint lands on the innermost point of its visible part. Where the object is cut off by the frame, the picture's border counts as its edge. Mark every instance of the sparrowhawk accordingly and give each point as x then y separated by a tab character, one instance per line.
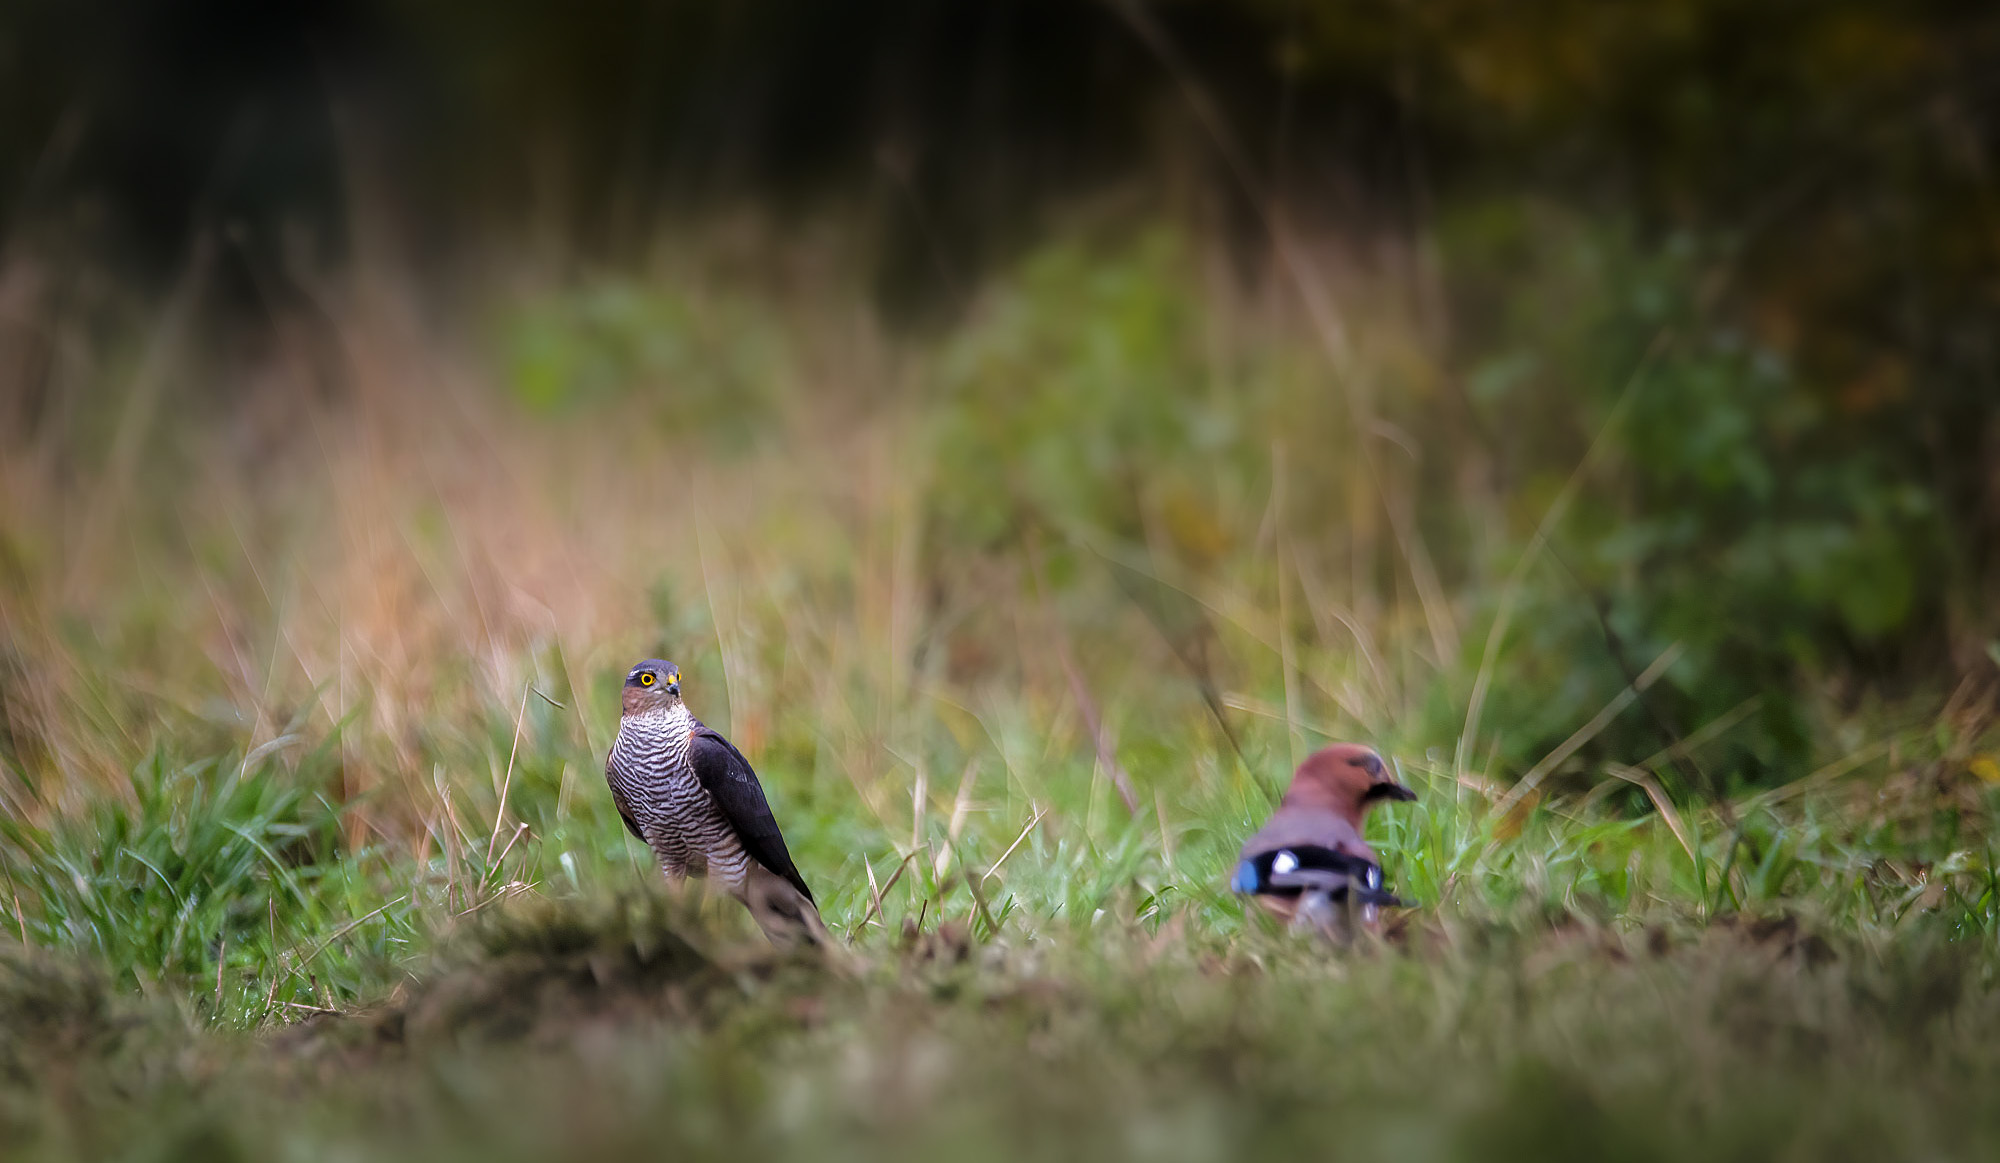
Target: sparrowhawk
697	804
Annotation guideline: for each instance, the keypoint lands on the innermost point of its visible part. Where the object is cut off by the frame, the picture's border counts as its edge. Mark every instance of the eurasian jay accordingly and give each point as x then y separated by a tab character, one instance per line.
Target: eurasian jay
1309	865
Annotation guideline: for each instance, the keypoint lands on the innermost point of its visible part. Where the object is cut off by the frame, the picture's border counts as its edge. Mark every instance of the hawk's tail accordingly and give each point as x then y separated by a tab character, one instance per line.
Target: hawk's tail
786	915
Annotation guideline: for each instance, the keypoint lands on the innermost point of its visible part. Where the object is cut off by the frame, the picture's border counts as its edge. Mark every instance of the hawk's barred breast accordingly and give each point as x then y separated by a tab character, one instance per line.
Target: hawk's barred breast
674	813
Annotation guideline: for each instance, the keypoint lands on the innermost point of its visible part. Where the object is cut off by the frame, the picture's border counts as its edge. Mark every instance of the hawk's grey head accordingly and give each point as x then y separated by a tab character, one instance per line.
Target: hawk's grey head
651	685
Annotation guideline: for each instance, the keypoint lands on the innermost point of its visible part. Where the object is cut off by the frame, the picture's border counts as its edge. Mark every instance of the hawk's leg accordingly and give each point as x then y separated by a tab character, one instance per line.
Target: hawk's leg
674	869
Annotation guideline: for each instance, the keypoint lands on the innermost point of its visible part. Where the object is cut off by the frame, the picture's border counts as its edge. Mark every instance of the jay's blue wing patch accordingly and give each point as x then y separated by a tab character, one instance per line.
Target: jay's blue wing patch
1290	871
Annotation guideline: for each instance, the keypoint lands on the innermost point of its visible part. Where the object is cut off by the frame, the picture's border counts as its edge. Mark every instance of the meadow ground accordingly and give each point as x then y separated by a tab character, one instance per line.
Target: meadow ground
307	852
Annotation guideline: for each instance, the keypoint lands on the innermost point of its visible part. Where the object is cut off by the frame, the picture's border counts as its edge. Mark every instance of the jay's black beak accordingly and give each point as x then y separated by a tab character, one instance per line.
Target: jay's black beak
1390	791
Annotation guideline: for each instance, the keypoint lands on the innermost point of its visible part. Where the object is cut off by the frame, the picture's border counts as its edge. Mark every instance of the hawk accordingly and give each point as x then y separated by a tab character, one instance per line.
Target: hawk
696	803
1309	864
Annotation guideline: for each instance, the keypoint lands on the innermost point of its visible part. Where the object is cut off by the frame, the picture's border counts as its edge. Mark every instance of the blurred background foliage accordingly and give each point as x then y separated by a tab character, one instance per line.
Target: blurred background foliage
1735	260
1032	426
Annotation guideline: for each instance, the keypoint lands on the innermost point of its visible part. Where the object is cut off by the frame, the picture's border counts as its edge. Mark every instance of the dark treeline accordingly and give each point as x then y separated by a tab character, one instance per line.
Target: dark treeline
133	122
129	126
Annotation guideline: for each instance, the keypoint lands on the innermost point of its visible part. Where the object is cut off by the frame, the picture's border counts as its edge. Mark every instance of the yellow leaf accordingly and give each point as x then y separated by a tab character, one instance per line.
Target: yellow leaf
1986	768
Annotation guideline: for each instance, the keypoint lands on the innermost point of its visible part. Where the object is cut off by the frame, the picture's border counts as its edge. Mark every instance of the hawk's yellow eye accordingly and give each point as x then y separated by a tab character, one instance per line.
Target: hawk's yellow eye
646	679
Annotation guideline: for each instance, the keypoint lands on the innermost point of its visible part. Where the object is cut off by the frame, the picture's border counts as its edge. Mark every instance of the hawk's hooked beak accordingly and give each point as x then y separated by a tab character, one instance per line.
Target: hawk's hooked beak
674	689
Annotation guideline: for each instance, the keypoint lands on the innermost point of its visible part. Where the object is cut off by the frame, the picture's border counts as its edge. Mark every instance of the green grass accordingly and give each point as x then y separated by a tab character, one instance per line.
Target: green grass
307	853
1578	987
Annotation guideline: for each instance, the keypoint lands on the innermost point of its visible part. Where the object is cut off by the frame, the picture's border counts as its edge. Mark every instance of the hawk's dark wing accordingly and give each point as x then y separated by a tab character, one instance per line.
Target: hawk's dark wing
734	787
